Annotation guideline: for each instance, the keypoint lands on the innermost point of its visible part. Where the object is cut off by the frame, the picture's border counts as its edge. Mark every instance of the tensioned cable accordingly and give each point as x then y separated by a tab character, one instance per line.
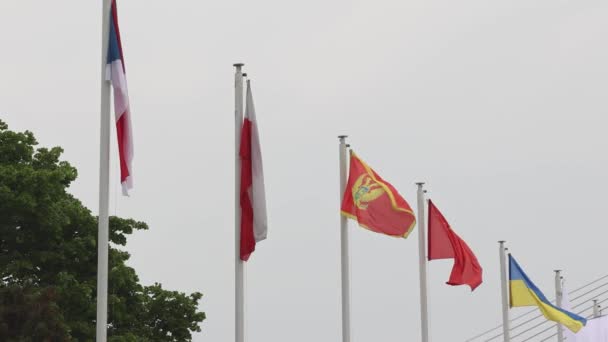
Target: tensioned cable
500	326
526	322
493	337
534	310
545	330
531	328
599	294
510	321
591	283
588	292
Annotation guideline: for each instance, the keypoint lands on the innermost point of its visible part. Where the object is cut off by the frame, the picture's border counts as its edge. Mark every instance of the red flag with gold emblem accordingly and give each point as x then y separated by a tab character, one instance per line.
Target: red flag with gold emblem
374	203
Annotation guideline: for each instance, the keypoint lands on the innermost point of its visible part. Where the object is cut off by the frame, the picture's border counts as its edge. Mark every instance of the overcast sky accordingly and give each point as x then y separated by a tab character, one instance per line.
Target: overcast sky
500	106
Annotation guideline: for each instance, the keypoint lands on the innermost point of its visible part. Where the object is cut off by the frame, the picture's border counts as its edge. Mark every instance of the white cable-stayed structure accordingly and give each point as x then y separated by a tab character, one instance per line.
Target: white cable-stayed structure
532	326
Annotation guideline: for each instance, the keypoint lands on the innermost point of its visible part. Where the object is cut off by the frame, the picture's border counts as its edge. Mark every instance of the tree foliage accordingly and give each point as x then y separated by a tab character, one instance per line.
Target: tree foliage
48	260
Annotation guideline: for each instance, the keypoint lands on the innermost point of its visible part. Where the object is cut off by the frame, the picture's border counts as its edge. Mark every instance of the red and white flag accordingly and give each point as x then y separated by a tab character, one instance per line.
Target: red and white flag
254	224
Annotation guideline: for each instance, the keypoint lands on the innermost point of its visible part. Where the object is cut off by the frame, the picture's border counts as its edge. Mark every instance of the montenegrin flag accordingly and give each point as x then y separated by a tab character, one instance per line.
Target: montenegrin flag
254	225
115	73
374	203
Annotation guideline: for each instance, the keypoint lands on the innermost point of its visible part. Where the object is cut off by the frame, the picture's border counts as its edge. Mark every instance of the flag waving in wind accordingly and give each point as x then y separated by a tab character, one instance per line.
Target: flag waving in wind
374	203
115	72
523	292
445	244
254	225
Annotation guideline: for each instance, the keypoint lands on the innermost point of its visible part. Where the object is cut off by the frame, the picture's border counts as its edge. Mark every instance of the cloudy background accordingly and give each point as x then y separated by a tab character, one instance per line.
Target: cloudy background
500	106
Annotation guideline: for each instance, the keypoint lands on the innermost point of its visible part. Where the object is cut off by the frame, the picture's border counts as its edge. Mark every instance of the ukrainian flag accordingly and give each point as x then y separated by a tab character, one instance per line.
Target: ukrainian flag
525	293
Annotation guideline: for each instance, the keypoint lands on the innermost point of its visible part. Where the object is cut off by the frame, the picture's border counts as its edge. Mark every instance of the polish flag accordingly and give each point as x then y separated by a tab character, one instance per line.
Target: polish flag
115	73
254	224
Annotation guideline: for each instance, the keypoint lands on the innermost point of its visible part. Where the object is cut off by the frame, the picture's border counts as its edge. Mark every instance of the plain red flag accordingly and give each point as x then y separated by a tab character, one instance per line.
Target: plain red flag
445	244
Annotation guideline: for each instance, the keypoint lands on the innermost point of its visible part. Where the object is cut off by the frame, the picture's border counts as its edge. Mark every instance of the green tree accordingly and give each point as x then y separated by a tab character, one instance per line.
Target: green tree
48	260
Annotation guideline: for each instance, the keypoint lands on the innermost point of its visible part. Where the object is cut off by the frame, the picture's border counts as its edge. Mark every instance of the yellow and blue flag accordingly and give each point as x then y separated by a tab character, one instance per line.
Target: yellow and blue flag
525	293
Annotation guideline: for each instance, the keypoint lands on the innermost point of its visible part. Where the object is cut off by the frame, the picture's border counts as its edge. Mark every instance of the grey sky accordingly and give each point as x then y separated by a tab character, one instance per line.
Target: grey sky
499	106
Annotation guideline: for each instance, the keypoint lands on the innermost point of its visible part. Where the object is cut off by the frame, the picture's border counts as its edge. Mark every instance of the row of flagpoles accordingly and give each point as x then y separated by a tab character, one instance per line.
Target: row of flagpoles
377	206
364	196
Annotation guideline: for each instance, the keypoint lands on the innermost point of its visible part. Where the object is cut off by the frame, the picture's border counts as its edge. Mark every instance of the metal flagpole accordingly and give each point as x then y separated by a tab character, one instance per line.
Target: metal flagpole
239	265
596	309
424	313
344	247
505	293
559	295
104	183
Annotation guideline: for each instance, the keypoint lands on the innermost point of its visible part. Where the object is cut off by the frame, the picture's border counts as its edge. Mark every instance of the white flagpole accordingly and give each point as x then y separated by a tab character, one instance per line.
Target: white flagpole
596	309
504	291
424	313
344	246
104	183
239	265
558	300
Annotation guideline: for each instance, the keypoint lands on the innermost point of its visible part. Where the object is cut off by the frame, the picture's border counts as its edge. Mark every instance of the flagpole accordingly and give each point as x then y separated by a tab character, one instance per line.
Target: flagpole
424	313
239	265
104	183
504	291
558	301
345	261
596	309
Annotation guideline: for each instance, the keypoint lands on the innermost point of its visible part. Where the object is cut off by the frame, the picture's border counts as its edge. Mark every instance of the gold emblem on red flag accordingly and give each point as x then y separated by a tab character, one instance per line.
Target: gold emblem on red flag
366	190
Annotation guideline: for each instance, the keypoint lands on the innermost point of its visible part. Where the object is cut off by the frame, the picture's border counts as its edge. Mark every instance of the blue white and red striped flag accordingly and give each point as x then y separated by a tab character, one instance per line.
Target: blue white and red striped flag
115	72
